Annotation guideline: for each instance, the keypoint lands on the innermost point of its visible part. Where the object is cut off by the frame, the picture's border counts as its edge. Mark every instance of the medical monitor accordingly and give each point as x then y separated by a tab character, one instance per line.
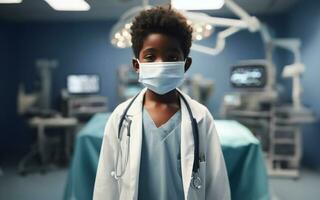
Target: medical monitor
249	75
83	84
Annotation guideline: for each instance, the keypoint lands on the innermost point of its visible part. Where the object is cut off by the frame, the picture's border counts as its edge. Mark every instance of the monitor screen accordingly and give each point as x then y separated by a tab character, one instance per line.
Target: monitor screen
83	84
248	76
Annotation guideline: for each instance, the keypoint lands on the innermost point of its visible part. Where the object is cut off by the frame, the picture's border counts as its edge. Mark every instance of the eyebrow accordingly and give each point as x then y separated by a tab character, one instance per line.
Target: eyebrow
171	49
149	50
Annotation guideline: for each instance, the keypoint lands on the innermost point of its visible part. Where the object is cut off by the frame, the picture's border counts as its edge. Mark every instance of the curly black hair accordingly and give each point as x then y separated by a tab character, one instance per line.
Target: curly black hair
161	19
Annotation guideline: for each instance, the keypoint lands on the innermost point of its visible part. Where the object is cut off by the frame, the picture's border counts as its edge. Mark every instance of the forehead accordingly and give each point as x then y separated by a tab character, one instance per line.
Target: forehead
161	42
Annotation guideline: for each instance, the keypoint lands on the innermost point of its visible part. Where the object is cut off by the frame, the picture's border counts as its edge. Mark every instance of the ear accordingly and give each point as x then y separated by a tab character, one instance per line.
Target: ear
187	64
135	65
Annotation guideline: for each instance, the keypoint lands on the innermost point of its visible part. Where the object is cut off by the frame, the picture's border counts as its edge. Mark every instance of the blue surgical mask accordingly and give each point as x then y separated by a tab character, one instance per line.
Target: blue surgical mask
161	77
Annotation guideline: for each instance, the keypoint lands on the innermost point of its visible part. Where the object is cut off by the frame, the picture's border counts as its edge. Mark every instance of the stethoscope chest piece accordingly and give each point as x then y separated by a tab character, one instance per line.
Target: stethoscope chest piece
196	181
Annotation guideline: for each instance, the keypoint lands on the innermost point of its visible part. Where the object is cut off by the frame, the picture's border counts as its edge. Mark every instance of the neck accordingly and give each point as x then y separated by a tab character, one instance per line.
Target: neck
171	97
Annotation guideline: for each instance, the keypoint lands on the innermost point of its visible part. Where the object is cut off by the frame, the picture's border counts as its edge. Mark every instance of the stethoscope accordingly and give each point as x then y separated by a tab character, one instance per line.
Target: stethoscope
196	181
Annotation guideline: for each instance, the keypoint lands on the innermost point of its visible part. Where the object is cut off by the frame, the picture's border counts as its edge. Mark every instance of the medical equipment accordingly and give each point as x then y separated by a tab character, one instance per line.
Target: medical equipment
39	101
196	180
41	147
254	83
252	101
36	109
275	124
285	140
83	107
199	88
83	83
288	118
294	70
128	84
25	101
80	99
45	66
248	76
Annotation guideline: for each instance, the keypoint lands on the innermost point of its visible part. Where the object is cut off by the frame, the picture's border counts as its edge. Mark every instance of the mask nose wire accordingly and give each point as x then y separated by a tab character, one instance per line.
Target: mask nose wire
185	60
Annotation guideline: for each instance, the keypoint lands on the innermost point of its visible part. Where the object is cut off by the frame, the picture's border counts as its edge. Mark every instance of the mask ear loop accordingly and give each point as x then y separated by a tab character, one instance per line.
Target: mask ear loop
137	70
185	62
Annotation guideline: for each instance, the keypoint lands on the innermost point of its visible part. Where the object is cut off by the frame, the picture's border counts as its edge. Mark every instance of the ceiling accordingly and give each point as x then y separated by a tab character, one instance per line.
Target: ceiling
39	10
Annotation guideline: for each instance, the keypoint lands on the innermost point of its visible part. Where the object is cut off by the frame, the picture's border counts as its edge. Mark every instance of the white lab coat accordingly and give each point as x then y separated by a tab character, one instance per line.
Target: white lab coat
215	184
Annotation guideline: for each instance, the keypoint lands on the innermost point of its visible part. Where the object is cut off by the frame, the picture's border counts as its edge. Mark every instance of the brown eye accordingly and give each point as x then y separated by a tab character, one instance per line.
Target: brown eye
173	58
149	58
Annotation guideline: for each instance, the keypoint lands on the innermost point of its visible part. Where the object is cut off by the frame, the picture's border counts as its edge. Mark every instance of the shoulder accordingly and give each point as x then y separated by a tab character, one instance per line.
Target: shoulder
118	111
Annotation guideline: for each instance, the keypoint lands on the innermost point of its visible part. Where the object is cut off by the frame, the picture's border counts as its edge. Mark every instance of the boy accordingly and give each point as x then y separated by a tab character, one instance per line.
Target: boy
161	144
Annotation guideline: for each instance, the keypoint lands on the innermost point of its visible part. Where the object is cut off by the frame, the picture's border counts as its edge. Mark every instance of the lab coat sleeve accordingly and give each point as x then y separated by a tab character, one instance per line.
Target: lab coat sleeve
106	187
217	182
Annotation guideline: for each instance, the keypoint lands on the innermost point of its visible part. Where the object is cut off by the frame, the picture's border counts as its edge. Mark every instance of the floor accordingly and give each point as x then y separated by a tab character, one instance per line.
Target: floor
307	187
50	186
35	186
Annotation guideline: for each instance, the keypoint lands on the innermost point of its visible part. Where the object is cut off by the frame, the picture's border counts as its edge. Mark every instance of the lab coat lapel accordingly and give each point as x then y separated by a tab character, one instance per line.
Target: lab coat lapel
187	140
135	144
187	148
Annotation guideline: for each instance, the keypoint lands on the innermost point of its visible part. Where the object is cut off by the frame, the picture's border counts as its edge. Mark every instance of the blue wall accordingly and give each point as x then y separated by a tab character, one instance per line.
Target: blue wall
9	122
304	21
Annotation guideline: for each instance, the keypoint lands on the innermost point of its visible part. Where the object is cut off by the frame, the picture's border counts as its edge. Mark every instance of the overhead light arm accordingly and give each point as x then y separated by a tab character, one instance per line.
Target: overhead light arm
10	1
233	26
252	22
69	5
215	21
221	41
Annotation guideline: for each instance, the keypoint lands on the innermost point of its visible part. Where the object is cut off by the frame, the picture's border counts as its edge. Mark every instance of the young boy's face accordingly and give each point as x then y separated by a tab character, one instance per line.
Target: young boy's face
159	47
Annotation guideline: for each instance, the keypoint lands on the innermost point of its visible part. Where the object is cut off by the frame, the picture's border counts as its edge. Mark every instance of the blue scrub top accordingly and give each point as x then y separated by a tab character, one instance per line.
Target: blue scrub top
160	166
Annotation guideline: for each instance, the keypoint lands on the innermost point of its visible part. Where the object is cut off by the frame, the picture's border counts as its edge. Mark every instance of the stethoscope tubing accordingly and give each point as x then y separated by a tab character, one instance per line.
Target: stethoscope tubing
196	183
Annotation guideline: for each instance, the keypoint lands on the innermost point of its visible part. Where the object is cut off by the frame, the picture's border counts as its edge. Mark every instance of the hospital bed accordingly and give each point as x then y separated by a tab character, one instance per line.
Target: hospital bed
242	153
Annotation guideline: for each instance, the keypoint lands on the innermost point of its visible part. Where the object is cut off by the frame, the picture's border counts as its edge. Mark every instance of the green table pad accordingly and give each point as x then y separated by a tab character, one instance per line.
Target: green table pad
241	150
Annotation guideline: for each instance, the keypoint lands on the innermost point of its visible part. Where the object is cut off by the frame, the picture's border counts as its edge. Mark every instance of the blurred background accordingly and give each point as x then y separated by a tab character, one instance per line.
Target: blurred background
65	65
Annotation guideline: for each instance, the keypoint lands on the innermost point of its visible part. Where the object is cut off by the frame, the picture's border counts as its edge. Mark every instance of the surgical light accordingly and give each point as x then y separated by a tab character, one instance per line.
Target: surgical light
197	4
120	33
69	5
201	30
122	37
10	1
